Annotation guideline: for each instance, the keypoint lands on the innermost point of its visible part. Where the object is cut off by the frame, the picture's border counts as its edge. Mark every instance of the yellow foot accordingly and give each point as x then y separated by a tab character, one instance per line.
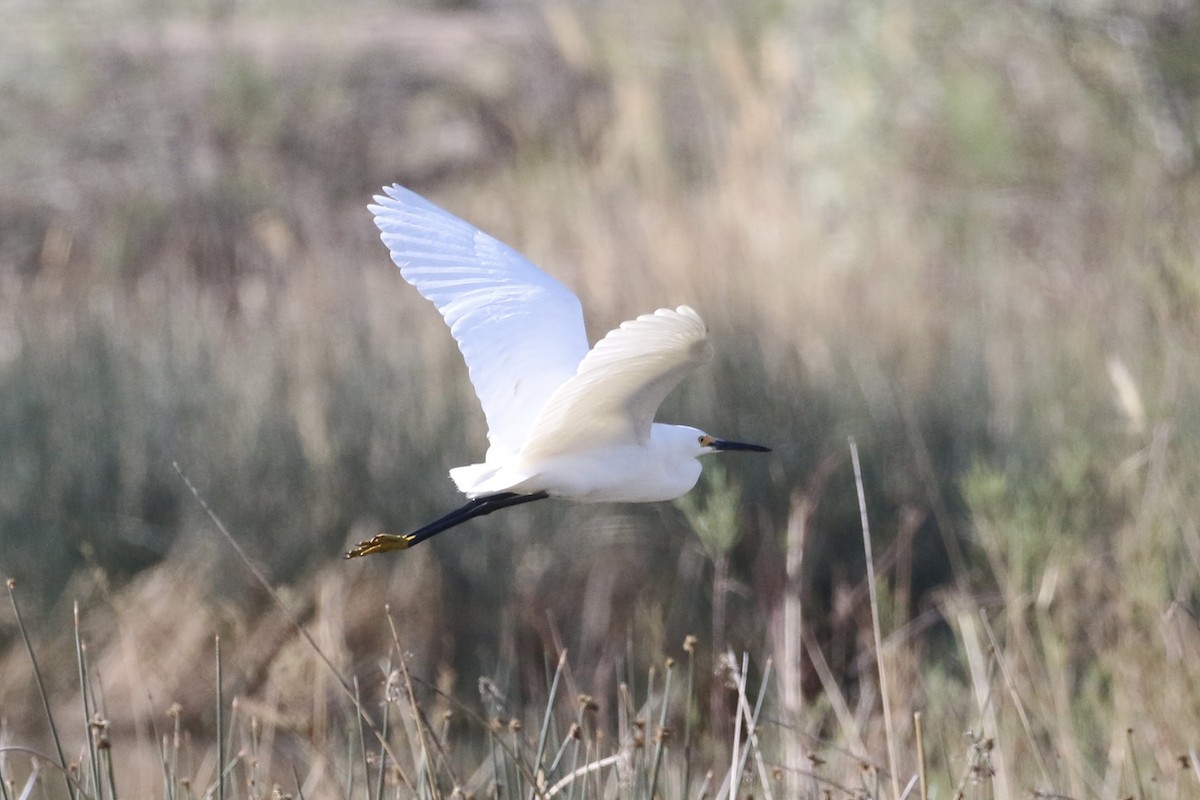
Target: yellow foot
381	543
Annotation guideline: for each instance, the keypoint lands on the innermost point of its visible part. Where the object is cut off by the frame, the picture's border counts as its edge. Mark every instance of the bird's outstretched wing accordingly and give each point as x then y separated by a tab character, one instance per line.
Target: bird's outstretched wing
520	331
621	383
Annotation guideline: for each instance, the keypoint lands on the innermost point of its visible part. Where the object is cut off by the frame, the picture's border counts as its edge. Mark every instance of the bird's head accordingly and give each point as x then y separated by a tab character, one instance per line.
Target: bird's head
698	443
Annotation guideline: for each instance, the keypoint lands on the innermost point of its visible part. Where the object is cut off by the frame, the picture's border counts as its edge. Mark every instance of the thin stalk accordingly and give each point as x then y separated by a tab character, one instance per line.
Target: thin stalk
592	768
597	788
223	773
875	627
103	743
642	776
562	750
1137	773
495	761
112	778
412	697
234	707
88	706
735	768
362	748
921	755
254	764
661	733
753	731
519	758
575	754
541	746
718	719
587	758
382	751
173	763
3	781
439	747
296	780
160	741
37	676
689	647
220	721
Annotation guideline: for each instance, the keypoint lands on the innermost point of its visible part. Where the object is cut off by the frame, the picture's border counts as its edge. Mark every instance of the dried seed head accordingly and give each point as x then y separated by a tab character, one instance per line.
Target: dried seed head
726	670
489	692
496	724
575	732
175	711
670	662
514	725
662	735
392	689
689	643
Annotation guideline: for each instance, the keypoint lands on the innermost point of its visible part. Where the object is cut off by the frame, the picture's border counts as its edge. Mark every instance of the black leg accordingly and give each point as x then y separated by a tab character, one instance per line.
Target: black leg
478	507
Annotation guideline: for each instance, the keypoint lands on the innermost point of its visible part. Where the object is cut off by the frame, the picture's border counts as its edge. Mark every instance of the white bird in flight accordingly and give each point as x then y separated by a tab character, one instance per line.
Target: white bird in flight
563	420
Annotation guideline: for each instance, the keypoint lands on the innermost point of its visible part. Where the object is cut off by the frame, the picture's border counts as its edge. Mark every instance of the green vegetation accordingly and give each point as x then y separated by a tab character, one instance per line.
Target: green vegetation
964	234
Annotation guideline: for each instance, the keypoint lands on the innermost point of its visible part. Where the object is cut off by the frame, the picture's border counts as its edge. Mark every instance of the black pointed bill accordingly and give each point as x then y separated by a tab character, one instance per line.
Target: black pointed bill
724	444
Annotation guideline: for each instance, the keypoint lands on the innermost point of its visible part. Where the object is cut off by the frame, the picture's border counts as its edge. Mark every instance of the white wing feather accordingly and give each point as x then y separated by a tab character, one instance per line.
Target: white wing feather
520	331
620	384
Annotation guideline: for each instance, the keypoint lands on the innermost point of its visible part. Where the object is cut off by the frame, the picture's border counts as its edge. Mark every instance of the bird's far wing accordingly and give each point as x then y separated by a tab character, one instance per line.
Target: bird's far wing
520	331
621	383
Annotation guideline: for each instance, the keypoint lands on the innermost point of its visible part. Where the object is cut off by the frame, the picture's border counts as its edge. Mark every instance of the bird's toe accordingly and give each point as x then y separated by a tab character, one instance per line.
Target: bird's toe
380	543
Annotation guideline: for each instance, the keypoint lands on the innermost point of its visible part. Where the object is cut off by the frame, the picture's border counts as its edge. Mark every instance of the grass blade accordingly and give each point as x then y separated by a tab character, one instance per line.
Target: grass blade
661	733
885	697
11	584
88	706
220	739
541	747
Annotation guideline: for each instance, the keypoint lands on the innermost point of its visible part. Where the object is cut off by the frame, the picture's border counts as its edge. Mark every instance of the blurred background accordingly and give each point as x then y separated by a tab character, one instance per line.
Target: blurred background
966	234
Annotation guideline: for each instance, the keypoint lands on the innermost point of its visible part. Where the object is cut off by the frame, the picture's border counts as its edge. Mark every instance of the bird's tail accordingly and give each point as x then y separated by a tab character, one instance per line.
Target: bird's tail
475	480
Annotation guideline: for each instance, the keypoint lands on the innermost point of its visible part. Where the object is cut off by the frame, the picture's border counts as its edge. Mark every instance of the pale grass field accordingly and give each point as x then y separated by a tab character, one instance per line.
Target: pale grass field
963	234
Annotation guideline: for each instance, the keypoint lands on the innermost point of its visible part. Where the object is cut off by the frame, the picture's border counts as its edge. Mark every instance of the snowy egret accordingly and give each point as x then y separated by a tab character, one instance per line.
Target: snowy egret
563	420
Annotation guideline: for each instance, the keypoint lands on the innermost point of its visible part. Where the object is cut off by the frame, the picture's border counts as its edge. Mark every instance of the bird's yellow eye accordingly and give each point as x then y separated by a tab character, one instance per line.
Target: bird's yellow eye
706	440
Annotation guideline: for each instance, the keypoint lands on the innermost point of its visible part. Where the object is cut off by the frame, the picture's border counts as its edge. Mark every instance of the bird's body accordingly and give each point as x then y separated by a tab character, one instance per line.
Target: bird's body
662	468
563	420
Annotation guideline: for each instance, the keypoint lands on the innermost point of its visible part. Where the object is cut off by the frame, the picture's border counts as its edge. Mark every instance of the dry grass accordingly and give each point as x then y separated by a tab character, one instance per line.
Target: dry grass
967	238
